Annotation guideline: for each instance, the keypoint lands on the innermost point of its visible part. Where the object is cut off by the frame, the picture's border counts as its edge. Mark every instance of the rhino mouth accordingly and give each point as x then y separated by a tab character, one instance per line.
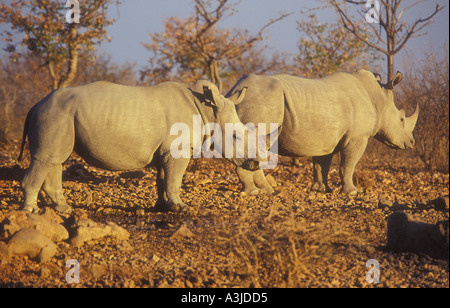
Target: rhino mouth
388	142
251	165
393	146
247	164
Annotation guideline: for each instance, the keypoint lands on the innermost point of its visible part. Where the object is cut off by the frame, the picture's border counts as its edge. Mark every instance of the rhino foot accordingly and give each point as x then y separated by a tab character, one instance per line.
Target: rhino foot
250	191
30	208
267	190
353	191
63	208
258	191
168	207
320	187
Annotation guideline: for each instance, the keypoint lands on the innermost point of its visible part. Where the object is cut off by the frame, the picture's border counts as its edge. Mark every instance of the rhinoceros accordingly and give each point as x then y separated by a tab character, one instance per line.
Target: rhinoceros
321	117
117	127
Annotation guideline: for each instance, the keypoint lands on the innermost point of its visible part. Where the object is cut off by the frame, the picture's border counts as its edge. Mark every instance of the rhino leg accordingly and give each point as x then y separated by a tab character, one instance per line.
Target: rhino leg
246	178
160	188
262	183
171	177
320	172
350	155
32	183
53	188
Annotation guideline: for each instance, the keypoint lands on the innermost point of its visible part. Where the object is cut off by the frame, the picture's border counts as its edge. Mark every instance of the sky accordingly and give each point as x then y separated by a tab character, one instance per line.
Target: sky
135	19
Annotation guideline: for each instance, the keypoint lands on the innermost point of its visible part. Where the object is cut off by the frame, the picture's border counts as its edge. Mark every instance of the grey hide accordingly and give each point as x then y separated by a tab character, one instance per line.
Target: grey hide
118	127
321	117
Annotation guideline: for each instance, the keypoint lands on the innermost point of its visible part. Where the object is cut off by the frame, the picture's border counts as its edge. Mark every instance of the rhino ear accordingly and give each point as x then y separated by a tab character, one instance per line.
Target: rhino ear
391	84
377	77
208	96
238	96
398	77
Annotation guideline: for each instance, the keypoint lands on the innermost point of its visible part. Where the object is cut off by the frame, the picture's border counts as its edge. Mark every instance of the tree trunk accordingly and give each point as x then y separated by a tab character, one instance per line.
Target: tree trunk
214	74
73	58
4	121
51	69
390	64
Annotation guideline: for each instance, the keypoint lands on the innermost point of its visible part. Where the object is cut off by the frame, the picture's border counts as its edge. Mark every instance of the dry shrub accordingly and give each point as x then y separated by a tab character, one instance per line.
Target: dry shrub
22	84
274	247
427	83
25	82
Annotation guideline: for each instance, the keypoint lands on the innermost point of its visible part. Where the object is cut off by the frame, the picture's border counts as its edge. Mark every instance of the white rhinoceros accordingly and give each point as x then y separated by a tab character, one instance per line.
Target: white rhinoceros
321	117
118	127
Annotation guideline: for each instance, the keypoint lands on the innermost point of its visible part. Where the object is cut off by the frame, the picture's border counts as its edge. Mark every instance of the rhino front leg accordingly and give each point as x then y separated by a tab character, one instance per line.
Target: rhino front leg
172	176
53	188
246	178
350	155
321	166
261	182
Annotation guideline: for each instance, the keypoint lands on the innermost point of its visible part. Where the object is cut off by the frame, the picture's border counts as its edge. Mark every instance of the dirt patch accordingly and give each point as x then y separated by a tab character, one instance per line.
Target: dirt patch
295	238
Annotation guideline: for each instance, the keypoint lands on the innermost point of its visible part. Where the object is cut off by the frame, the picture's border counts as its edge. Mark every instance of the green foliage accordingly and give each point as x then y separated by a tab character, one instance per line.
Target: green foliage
48	37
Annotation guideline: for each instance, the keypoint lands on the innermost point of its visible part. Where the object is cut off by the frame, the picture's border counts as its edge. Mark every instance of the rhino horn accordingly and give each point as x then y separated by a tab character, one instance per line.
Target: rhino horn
412	120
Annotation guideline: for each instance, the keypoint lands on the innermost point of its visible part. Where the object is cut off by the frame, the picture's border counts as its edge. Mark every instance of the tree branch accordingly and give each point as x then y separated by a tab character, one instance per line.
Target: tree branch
350	26
424	21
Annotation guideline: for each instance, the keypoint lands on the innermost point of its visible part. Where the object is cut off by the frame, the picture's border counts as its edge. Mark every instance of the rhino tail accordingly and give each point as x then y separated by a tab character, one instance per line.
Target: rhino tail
25	132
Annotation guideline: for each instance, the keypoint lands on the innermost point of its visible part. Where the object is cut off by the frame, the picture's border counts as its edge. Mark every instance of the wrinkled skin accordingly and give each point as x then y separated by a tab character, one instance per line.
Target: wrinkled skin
117	127
322	117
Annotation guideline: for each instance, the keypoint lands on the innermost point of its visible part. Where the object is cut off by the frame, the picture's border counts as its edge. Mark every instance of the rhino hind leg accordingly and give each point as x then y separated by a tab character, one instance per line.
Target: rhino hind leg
32	183
321	166
160	187
53	188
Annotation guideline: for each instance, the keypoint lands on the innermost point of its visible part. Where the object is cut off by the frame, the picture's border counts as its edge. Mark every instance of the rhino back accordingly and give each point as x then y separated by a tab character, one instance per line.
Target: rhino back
119	127
263	102
317	115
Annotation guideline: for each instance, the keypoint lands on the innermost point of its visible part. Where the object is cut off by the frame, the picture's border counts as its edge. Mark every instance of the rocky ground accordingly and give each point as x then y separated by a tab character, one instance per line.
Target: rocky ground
295	238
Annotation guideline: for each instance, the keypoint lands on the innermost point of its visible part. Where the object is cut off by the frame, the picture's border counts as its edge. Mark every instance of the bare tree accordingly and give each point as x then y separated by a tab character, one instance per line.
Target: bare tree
198	45
206	20
395	33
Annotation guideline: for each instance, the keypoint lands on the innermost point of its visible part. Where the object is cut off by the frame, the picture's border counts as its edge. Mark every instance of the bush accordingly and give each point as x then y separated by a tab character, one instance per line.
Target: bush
427	83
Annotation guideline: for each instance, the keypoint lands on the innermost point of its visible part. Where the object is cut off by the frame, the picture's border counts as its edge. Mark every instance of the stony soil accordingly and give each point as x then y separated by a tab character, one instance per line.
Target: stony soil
295	238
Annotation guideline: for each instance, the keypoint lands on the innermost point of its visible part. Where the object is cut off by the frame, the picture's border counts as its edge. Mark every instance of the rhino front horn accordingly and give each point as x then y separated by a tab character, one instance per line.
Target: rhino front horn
412	120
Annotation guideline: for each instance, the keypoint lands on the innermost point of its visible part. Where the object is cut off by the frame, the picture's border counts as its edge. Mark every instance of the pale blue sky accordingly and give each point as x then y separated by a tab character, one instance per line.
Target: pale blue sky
136	18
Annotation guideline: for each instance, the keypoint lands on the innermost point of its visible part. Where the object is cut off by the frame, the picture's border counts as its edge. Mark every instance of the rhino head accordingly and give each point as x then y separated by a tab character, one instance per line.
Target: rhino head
226	117
396	129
